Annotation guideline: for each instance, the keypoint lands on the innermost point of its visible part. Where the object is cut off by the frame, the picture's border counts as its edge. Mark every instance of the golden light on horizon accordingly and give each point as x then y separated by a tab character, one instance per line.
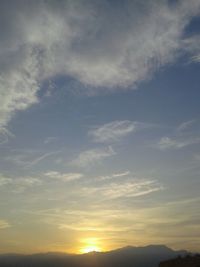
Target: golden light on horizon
90	249
90	245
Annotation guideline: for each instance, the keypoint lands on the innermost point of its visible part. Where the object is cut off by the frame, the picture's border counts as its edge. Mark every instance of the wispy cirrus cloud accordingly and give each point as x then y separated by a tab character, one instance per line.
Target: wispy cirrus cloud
176	143
191	45
185	125
29	158
19	184
114	175
65	177
50	139
181	136
100	45
113	131
93	156
5	135
134	188
4	180
4	224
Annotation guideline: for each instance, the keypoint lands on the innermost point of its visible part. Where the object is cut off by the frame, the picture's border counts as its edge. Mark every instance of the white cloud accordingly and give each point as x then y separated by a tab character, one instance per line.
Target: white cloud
133	188
176	143
4	180
5	134
50	140
29	158
182	135
192	45
18	84
42	157
65	177
97	43
93	156
121	174
113	131
185	125
4	224
27	181
19	184
114	175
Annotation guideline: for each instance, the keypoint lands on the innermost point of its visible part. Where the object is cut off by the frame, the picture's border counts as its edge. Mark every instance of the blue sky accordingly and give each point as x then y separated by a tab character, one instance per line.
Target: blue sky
99	124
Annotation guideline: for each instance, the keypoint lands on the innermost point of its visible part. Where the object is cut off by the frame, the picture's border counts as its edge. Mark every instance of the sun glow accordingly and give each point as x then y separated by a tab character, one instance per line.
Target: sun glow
91	245
90	249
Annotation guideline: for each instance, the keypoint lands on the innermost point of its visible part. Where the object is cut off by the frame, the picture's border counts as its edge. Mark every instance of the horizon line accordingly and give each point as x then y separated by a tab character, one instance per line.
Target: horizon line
95	251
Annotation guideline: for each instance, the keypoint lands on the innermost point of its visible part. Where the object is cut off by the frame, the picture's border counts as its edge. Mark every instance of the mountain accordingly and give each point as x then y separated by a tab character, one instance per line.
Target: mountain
148	256
187	261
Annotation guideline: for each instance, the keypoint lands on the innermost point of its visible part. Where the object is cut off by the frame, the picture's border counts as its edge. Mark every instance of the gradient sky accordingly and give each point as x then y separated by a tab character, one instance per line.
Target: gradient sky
99	124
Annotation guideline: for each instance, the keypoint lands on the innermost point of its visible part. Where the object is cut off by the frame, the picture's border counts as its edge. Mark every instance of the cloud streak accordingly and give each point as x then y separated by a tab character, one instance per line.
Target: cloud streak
19	184
114	175
5	135
29	158
134	188
183	136
65	177
4	180
4	224
93	156
176	143
113	131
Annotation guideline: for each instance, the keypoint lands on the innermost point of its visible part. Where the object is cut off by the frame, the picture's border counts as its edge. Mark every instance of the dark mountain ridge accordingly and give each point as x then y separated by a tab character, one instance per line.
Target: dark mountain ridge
187	261
149	256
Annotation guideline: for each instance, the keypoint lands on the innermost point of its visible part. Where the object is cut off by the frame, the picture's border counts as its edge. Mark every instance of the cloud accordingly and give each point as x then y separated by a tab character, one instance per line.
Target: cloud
50	140
29	158
192	46
185	125
114	175
133	188
65	177
4	180
121	174
27	181
113	131
93	156
197	157
98	43
183	135
5	134
19	184
4	224
176	143
42	157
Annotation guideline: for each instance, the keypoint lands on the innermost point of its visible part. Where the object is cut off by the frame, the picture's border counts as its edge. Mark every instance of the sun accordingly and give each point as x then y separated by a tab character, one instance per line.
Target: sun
90	249
90	245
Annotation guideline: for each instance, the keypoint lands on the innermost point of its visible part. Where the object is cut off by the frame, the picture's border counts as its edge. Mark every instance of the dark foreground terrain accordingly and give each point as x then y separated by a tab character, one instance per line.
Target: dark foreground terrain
187	261
149	256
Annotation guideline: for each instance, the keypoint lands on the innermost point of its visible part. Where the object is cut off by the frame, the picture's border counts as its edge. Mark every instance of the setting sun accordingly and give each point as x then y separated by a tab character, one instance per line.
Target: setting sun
90	245
90	249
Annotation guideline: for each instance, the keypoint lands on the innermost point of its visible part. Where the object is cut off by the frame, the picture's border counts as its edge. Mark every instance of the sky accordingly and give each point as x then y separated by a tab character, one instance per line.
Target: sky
99	124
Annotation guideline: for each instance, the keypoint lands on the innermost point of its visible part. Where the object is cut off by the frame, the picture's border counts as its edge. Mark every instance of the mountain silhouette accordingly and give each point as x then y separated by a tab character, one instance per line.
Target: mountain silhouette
149	256
187	261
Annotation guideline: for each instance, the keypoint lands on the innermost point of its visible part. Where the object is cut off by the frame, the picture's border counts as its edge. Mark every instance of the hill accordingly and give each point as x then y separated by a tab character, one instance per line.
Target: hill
148	256
187	261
